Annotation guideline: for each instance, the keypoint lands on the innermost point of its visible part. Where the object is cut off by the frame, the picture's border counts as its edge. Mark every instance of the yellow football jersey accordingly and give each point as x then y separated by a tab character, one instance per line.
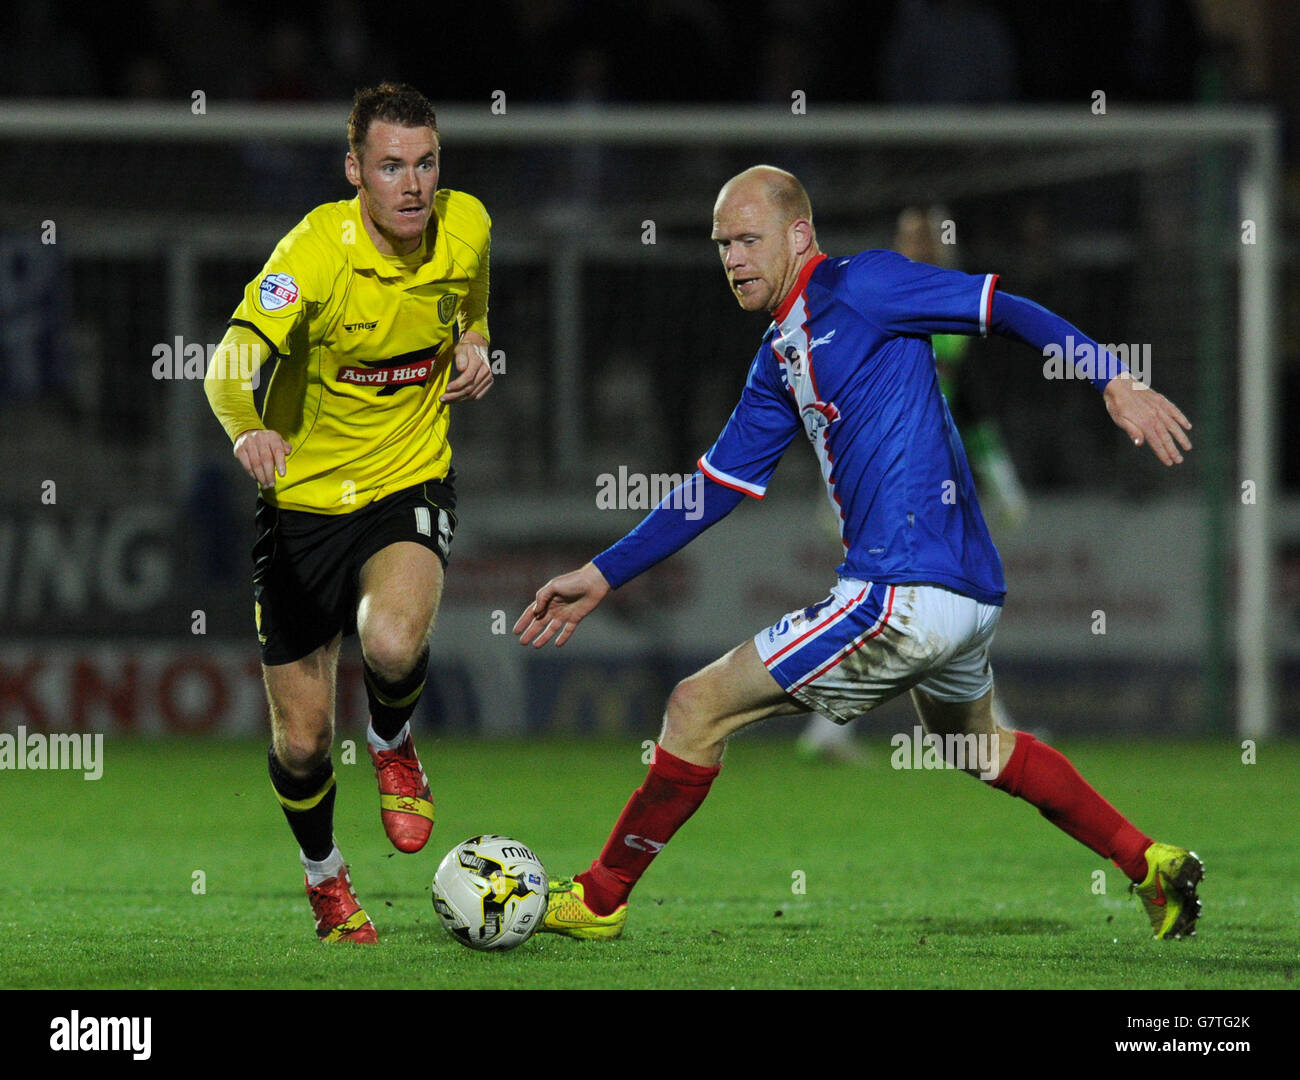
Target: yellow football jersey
364	346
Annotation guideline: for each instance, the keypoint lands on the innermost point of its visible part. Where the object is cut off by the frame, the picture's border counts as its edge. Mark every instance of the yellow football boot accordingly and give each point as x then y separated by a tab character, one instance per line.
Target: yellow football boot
1168	892
567	913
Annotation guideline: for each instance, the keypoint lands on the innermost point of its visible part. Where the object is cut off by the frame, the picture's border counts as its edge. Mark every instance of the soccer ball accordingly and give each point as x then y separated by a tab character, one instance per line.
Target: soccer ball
490	892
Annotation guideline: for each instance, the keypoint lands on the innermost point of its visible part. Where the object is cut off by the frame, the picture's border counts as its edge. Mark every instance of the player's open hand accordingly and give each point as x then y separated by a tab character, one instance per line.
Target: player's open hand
1148	417
560	605
262	453
474	372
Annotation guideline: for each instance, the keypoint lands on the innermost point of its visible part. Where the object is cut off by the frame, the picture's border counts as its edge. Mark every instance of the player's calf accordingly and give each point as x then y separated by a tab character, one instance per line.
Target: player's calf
702	711
405	799
392	701
308	803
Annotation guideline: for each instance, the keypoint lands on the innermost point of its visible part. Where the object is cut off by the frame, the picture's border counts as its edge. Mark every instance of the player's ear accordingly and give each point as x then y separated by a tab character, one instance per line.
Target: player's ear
801	233
352	169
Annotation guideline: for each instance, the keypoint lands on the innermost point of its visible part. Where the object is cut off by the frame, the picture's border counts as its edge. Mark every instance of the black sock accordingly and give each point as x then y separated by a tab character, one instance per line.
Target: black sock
391	704
308	804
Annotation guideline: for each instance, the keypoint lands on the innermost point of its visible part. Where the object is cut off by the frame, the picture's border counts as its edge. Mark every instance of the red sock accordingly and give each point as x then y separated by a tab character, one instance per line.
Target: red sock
672	792
1044	777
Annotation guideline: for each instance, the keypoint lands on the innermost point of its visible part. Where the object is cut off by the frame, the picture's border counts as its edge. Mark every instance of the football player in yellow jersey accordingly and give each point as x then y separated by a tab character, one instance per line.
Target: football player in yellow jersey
375	310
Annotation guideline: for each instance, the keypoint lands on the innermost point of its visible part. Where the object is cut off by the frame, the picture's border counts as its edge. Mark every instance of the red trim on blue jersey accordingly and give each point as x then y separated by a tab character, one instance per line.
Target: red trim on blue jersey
986	314
780	361
800	283
733	482
826	435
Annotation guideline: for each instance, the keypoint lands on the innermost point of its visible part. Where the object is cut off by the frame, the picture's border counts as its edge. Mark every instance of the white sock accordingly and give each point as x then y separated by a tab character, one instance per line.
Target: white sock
330	866
397	740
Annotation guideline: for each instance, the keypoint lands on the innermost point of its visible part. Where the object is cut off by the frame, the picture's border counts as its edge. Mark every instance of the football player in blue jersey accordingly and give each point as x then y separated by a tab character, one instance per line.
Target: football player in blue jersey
847	362
921	235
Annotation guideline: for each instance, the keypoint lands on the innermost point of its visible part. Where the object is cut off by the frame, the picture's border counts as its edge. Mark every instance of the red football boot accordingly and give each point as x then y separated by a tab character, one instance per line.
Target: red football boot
339	915
405	801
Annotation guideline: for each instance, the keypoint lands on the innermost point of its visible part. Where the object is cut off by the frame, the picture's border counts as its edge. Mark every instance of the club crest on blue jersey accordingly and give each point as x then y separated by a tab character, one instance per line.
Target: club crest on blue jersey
794	362
817	416
277	291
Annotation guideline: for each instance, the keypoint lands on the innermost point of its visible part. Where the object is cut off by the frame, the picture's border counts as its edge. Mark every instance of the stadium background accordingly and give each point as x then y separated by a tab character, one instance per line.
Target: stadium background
124	599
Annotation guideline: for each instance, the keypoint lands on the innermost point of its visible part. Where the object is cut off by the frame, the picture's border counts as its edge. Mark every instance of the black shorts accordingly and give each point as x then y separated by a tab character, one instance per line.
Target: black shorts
307	567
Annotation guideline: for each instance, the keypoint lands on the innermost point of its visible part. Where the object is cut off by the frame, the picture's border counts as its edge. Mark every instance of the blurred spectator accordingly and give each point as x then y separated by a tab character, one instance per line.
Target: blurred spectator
33	313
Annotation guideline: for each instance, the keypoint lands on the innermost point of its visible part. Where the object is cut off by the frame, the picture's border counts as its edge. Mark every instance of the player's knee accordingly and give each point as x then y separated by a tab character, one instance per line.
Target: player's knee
392	645
688	719
302	749
1005	741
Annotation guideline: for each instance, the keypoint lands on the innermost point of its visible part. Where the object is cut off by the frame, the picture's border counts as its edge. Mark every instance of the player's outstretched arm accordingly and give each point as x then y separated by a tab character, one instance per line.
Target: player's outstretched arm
560	605
1144	415
475	372
682	515
1148	417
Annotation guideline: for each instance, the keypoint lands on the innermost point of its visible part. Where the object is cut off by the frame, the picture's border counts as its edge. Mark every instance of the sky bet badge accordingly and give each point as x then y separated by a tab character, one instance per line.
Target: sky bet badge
277	291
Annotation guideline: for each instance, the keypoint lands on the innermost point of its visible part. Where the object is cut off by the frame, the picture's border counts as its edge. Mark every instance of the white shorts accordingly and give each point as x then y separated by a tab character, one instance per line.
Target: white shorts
867	643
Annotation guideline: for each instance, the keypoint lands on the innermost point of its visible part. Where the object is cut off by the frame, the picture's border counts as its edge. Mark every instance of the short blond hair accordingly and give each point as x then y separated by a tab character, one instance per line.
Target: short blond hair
789	195
780	189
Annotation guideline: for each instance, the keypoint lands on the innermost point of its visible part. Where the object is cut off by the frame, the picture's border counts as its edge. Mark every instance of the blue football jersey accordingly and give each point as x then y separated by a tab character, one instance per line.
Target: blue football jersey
847	361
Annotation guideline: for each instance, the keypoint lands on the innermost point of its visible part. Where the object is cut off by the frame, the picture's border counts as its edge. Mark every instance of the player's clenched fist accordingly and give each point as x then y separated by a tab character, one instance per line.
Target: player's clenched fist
474	376
560	605
262	453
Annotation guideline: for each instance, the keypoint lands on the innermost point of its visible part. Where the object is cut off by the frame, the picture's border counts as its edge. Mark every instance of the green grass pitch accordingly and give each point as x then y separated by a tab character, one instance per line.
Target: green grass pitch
910	879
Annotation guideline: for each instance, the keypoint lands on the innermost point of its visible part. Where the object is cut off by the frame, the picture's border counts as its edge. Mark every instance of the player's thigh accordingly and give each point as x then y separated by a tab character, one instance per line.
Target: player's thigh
732	692
400	589
301	699
956	695
864	644
955	717
977	718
